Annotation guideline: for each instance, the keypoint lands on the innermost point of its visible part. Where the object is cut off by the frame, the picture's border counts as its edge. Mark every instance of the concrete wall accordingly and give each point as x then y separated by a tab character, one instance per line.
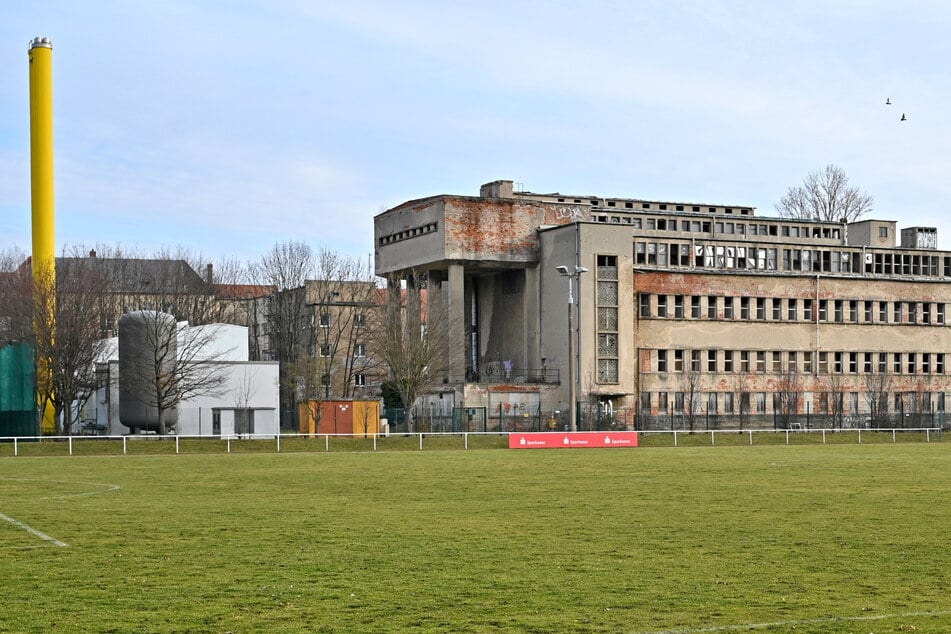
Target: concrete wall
868	233
466	229
406	241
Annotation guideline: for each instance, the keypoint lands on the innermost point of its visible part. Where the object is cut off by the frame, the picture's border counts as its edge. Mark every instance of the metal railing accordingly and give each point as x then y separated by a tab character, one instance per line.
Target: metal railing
256	443
491	374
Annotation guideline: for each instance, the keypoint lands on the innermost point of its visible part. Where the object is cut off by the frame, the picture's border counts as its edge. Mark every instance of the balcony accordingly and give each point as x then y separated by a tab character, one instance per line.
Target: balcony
497	374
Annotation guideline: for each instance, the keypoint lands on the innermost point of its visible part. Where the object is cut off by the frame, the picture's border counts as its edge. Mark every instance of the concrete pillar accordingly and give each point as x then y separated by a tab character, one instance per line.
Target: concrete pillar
457	324
532	319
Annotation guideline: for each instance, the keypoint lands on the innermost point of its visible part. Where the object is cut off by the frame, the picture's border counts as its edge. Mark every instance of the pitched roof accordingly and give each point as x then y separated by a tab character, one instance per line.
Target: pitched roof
134	275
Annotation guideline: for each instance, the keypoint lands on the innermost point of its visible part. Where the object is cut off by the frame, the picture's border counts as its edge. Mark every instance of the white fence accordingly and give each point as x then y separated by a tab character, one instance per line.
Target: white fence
929	434
140	443
155	444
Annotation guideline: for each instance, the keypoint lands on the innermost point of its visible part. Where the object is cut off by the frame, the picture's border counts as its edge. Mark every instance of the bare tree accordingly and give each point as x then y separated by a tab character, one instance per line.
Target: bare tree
825	195
745	417
835	405
68	337
243	392
740	387
286	268
167	364
789	393
306	382
920	403
183	285
692	395
16	296
878	385
332	338
57	310
411	335
343	296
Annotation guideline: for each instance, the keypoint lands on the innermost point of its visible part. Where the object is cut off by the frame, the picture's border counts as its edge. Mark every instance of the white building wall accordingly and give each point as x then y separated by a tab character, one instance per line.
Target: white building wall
248	385
228	342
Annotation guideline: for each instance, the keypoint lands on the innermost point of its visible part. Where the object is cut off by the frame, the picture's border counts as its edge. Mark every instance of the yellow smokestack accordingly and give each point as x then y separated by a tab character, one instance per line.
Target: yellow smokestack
41	174
41	151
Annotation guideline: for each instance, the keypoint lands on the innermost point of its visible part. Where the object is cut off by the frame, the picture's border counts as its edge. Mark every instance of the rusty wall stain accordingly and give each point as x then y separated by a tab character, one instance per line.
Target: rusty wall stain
501	227
784	285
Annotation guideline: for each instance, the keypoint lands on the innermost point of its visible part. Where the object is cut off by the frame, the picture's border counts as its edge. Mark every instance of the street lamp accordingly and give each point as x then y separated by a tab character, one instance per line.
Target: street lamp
573	409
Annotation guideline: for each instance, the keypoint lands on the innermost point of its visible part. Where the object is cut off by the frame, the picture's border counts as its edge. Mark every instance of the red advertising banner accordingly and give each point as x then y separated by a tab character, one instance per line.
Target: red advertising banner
573	440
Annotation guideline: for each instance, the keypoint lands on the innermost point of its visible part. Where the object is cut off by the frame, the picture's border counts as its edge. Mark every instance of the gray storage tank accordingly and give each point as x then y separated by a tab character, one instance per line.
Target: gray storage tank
147	339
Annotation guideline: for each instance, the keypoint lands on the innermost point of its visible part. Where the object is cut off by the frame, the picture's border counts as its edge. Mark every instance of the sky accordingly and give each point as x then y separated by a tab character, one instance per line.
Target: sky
226	127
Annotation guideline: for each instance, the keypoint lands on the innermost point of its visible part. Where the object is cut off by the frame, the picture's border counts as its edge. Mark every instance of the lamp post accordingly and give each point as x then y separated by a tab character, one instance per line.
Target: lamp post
573	408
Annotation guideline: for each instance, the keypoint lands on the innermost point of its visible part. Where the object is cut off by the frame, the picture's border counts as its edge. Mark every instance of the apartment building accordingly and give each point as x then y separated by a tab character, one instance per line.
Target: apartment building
683	314
319	332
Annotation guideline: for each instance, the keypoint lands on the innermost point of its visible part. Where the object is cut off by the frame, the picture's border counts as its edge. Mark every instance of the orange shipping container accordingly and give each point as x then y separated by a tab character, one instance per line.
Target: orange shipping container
359	418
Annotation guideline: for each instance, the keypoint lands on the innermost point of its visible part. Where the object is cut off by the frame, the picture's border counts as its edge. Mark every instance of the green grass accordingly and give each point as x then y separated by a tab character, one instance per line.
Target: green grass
811	537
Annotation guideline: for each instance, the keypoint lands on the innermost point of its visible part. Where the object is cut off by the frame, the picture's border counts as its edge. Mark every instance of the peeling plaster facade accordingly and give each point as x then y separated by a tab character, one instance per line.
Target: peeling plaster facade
689	314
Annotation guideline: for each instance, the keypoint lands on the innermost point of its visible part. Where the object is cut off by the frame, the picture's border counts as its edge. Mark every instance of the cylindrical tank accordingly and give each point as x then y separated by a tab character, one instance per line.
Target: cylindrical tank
147	346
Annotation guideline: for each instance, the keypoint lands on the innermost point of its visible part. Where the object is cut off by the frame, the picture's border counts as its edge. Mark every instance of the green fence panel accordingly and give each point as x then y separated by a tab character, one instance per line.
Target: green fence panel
18	415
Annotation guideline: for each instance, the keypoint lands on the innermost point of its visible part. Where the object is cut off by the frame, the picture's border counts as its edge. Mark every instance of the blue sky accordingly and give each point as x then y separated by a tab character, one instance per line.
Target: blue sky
224	127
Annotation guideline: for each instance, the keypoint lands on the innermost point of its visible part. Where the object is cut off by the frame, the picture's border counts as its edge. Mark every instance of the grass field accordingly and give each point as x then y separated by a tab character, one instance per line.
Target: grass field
811	538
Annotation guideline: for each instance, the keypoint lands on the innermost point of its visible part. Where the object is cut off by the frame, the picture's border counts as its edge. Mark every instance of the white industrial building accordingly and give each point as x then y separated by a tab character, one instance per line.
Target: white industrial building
246	403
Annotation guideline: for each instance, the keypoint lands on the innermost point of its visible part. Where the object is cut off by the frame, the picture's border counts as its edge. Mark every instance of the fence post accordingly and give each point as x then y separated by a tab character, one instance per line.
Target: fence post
466	438
176	443
893	435
16	450
751	438
675	438
124	448
278	436
421	436
326	442
823	436
70	445
787	436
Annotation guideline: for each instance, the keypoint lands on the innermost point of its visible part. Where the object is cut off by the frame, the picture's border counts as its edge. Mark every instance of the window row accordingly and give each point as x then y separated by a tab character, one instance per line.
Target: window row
680	403
646	205
718	227
797	362
718	256
429	227
865	311
324	320
325	350
359	379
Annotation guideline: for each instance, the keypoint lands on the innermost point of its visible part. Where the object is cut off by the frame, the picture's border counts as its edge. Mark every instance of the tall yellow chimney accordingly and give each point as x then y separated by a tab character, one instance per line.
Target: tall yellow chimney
41	150
41	175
